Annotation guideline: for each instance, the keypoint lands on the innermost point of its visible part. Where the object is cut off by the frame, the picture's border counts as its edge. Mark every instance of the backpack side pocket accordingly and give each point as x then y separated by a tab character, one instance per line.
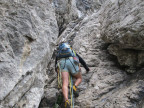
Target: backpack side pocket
76	60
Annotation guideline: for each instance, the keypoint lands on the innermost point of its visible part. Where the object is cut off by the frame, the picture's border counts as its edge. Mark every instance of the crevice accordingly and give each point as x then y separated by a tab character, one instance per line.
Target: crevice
61	29
47	102
29	38
127	68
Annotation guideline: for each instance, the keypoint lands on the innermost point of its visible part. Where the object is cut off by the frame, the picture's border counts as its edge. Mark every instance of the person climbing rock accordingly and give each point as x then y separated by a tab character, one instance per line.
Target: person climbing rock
69	63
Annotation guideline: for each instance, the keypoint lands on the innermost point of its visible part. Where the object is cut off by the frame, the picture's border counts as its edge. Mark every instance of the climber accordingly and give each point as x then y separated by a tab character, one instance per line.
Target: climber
69	63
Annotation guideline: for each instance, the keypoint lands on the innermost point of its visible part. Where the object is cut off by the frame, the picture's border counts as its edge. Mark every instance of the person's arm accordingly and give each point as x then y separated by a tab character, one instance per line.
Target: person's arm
83	62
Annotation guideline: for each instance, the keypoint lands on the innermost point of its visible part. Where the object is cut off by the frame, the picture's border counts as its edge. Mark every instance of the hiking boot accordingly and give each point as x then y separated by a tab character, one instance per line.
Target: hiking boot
67	104
76	94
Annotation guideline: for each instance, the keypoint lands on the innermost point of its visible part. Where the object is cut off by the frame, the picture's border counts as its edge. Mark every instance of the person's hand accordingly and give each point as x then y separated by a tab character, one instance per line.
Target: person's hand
87	70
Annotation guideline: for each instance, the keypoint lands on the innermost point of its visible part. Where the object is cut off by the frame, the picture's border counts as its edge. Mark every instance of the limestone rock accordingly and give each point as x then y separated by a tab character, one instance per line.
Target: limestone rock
107	85
86	7
73	10
66	11
122	25
28	32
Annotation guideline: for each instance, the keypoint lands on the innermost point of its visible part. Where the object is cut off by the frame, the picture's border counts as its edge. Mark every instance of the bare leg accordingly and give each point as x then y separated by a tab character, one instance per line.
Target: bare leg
65	78
78	79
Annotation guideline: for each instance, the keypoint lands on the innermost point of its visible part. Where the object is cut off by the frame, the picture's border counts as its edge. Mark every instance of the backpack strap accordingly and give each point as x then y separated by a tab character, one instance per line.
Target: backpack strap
73	51
72	64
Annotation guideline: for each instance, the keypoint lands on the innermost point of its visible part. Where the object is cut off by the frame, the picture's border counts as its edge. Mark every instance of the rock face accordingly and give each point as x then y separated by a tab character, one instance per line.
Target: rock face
108	35
106	85
27	38
89	6
122	27
73	10
66	11
95	38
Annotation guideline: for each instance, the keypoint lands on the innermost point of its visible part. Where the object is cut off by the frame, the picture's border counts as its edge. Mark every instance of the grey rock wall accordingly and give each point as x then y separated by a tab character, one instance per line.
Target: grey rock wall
74	10
106	85
28	32
107	34
66	11
86	7
97	38
122	27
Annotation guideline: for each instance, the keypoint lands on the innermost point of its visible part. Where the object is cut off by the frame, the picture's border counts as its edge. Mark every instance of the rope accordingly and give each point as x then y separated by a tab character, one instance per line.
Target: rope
71	91
70	82
59	77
